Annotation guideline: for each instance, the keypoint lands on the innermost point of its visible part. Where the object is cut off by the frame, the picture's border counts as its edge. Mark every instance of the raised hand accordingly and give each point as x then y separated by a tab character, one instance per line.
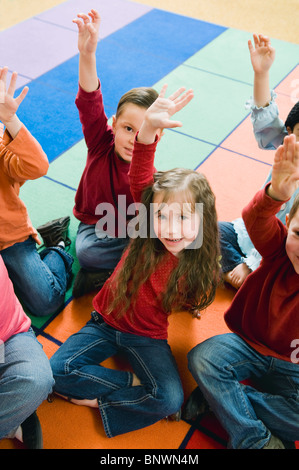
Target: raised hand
8	104
159	113
285	170
262	54
88	29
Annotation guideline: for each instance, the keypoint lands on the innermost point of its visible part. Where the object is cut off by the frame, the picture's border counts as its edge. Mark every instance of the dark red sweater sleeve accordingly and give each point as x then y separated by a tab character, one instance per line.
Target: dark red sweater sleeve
265	230
142	168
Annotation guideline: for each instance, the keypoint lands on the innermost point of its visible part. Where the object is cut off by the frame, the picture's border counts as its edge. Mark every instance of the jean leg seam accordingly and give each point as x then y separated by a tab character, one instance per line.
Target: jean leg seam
146	370
79	353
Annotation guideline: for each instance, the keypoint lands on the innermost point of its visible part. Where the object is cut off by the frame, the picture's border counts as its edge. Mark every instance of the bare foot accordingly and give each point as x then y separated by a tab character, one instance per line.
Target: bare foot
135	381
237	276
91	403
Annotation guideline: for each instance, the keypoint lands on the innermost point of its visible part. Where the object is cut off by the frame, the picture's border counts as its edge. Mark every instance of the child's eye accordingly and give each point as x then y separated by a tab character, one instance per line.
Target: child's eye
129	129
160	216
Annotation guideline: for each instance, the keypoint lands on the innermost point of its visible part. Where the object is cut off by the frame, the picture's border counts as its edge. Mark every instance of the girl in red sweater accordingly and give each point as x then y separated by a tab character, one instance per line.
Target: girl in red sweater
171	264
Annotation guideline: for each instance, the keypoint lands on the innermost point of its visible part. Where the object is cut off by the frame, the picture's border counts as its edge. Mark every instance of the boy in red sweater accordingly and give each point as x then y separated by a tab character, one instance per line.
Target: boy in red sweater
264	320
104	191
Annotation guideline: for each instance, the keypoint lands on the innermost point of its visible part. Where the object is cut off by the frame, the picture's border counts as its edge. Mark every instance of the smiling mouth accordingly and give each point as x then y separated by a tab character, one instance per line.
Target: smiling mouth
173	240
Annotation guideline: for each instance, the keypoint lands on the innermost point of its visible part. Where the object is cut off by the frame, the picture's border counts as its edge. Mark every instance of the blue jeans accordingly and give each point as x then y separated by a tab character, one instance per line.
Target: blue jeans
231	254
25	380
40	279
123	407
250	415
96	251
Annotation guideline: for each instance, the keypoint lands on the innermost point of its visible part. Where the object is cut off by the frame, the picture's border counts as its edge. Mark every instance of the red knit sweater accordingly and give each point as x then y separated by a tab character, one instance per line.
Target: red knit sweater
265	310
105	175
145	317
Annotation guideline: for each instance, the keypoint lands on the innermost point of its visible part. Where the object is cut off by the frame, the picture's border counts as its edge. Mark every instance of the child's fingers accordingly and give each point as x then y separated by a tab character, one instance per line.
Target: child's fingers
78	23
250	46
22	95
94	15
163	91
177	93
278	156
84	17
256	40
2	92
12	85
289	147
168	124
183	100
3	73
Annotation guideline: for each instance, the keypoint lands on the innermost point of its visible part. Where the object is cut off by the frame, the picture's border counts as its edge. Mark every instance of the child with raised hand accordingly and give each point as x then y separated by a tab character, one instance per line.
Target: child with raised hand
104	185
264	320
40	279
239	256
173	265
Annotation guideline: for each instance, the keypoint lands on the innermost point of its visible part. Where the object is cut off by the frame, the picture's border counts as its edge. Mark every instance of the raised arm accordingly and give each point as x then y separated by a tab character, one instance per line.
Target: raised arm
262	56
157	117
88	34
22	156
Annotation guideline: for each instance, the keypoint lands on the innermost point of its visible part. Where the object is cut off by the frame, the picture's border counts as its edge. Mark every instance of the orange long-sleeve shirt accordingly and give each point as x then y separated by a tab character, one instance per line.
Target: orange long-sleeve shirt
21	159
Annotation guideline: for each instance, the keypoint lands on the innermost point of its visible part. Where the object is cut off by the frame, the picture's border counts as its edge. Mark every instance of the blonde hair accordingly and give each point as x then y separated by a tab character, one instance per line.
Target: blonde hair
142	96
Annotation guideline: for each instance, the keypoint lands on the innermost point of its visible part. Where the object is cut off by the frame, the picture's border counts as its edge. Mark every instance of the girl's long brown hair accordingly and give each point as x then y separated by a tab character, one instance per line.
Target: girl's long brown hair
193	282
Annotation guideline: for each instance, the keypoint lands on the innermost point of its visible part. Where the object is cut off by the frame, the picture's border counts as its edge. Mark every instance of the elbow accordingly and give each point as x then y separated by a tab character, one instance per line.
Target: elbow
45	166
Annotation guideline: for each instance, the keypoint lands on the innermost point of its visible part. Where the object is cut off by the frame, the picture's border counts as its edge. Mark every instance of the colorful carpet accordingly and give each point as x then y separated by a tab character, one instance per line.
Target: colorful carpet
147	46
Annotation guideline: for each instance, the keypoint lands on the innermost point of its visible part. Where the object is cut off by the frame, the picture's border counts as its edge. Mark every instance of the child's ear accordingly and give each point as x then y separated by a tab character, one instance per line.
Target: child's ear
287	220
113	122
289	130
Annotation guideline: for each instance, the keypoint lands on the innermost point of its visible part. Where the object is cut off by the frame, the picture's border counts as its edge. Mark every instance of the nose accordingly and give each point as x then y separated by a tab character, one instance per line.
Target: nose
173	228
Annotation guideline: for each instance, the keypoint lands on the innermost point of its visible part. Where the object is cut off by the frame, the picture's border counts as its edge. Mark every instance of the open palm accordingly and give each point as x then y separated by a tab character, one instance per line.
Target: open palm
88	30
8	104
162	109
262	54
285	171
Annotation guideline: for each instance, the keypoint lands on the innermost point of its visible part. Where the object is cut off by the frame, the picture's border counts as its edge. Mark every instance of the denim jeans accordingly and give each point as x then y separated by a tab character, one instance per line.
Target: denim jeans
96	251
25	380
123	407
40	279
231	254
250	415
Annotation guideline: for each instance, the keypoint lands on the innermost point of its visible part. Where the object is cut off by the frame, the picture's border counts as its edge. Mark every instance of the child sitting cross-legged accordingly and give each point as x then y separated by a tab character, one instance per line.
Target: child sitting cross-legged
173	265
263	318
39	278
239	256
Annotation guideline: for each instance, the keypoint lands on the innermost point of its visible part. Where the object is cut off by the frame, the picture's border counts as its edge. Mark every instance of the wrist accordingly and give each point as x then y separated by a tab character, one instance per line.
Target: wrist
13	125
147	133
270	191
